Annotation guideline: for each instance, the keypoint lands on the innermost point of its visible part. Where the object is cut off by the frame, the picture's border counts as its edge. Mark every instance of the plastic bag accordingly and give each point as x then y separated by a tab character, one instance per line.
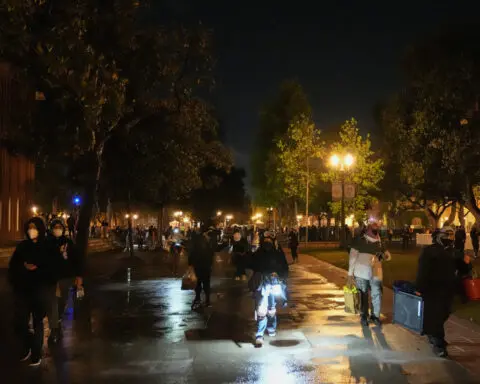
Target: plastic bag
189	280
351	296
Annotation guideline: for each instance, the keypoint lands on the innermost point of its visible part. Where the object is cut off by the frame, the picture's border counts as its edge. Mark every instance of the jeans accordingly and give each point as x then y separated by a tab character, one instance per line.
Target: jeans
203	282
375	287
240	264
294	253
266	312
34	303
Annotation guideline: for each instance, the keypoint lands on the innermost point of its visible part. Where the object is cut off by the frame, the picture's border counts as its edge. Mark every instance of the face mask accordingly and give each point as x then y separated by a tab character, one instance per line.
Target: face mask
447	242
32	234
268	246
58	232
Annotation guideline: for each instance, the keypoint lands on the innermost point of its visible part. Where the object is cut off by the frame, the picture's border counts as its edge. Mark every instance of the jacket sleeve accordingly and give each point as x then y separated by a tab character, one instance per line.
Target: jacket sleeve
423	271
352	260
363	246
14	266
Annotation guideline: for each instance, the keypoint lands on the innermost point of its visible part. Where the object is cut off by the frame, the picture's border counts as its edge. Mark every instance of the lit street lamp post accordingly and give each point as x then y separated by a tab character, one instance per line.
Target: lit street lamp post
343	164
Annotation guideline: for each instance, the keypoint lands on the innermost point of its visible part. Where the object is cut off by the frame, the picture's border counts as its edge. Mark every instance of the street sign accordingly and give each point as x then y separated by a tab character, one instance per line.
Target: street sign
336	191
349	191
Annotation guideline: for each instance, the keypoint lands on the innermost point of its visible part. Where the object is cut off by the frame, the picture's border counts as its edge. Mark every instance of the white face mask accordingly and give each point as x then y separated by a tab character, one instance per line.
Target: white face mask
58	232
32	234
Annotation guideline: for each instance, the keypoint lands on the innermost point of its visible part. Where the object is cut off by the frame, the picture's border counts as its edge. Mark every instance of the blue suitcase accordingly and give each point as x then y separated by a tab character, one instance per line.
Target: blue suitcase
408	311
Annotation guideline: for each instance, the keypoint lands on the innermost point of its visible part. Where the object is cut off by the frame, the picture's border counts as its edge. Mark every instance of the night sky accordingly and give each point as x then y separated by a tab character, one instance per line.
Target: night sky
346	54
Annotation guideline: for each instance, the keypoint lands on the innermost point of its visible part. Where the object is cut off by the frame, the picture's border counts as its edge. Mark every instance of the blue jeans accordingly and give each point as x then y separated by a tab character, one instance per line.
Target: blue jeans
266	313
375	288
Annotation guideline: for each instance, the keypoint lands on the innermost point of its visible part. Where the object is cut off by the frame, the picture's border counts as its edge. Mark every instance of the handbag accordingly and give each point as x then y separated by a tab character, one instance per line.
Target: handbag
189	280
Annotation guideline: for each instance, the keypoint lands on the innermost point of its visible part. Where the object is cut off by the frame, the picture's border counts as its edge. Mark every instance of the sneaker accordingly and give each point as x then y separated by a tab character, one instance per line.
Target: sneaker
272	333
375	320
26	355
259	342
440	352
237	278
244	277
364	320
35	362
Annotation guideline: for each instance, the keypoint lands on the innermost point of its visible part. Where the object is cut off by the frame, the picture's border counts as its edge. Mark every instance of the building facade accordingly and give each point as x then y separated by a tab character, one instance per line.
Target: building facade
16	172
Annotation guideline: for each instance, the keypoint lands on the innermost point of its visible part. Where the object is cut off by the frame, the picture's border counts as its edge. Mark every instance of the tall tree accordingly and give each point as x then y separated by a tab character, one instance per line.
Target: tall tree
433	123
299	153
85	56
289	104
366	172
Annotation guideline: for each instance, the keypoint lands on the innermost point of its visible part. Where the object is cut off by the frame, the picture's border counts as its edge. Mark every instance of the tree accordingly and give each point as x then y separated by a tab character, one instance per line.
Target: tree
433	123
275	118
299	152
85	56
366	172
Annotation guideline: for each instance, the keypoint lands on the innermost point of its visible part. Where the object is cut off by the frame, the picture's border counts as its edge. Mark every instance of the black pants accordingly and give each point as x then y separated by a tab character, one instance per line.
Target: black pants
294	253
239	264
203	282
437	308
36	304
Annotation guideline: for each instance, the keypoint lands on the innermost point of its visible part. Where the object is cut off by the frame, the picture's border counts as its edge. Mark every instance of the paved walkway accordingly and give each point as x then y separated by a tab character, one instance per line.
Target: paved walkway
144	331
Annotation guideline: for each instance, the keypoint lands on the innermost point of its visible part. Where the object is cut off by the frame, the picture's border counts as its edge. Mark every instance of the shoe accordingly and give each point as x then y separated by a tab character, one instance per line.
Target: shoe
364	320
26	355
259	342
237	278
208	304
244	277
440	352
55	336
35	362
272	334
375	320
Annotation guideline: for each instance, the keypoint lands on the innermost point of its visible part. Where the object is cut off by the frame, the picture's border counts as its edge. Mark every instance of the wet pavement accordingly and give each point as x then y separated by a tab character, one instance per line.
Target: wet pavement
144	331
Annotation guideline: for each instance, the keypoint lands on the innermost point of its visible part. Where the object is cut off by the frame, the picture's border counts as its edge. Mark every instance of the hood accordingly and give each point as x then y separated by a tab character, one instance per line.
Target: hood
55	222
41	227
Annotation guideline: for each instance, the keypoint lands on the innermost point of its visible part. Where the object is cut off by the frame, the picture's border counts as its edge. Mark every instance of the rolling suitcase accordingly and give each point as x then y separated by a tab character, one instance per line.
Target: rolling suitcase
408	311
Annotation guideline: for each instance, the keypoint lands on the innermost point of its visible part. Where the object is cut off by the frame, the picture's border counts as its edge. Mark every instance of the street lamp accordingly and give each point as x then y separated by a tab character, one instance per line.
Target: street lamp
127	216
343	164
34	210
135	217
219	213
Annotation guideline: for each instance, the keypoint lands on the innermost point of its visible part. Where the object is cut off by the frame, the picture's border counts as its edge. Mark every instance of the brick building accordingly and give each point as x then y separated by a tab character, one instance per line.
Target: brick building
16	172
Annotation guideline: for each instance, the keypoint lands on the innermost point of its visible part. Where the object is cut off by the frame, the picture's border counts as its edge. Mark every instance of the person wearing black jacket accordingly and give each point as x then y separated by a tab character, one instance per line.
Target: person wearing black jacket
271	268
200	257
438	266
293	244
33	274
240	249
71	272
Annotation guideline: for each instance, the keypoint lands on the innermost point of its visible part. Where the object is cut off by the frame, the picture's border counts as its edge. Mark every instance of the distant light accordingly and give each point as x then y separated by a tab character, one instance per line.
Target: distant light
178	213
34	210
77	200
219	213
229	217
135	217
127	216
186	220
334	160
299	217
348	160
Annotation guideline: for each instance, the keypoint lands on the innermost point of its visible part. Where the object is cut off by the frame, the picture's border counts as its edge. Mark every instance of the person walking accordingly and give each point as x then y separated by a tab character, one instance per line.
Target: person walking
71	272
200	257
33	275
438	267
239	249
474	239
293	244
365	267
270	269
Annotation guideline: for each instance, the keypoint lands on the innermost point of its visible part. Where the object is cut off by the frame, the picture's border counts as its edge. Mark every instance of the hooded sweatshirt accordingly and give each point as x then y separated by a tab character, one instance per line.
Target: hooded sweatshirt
39	253
71	264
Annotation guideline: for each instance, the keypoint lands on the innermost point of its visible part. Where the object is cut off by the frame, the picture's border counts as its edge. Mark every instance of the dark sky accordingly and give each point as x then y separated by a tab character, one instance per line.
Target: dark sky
345	53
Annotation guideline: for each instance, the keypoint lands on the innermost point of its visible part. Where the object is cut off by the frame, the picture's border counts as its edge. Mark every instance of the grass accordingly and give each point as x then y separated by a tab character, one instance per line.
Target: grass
403	266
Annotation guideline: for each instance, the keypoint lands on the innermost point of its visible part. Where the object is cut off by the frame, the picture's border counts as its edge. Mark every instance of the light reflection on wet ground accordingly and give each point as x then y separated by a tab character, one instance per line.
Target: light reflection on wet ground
144	331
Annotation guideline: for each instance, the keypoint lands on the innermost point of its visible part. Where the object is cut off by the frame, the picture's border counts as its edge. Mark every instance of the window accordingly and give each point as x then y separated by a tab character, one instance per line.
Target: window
9	215
18	215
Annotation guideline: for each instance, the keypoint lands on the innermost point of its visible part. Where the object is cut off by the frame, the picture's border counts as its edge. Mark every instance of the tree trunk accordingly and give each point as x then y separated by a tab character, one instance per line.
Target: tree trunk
461	214
475	211
432	218
85	216
451	217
